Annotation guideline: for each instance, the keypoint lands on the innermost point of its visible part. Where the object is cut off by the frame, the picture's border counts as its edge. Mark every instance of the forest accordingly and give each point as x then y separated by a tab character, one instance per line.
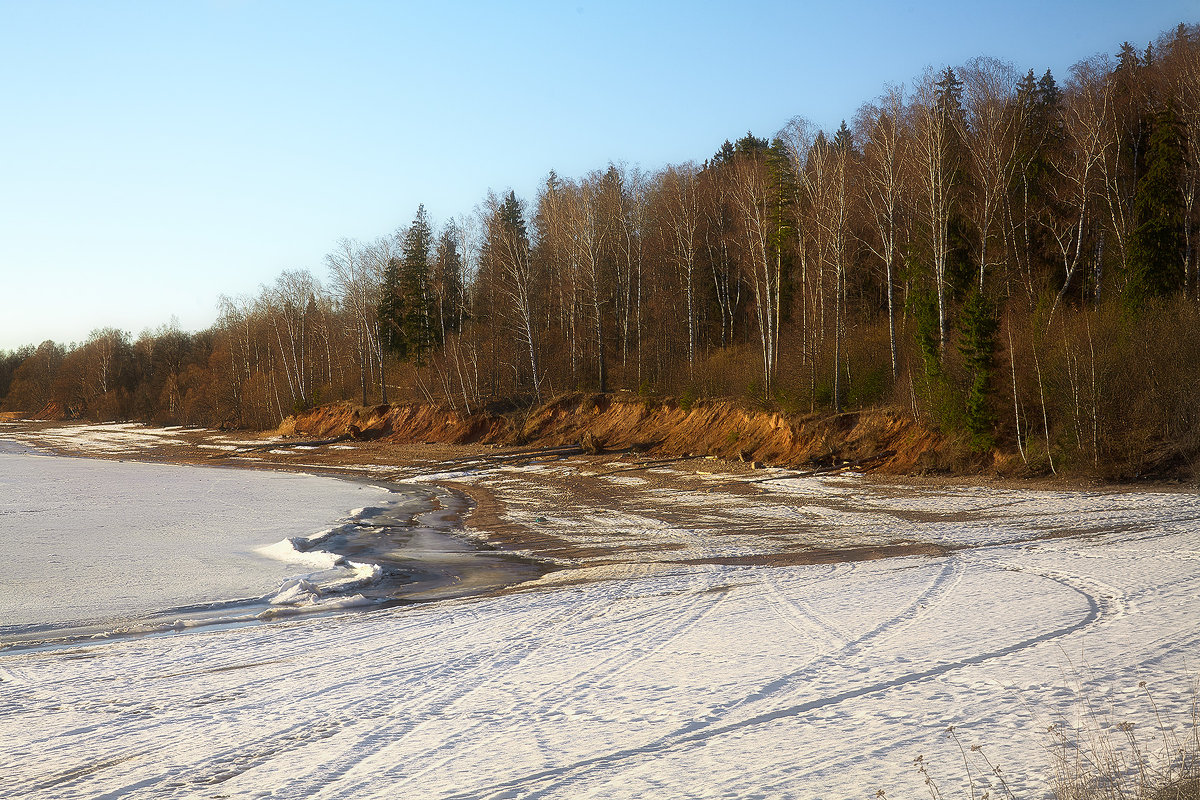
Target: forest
1009	257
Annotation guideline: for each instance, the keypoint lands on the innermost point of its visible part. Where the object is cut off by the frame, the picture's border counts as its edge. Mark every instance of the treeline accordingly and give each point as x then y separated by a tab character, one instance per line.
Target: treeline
1012	257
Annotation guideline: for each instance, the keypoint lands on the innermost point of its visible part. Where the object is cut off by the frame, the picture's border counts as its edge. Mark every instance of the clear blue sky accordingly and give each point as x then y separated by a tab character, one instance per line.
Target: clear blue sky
156	155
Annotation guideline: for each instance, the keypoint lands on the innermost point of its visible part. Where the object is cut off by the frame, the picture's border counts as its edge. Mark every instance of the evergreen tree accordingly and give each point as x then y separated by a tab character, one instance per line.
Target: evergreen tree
923	307
391	312
843	139
1048	99
783	183
949	95
513	220
406	309
978	349
1157	245
724	155
1127	58
751	145
1042	134
417	324
448	284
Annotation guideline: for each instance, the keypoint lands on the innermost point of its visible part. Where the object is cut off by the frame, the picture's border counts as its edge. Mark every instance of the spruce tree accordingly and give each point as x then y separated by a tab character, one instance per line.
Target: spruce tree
1157	244
418	313
724	155
406	307
751	145
1127	58
843	139
448	284
978	349
391	311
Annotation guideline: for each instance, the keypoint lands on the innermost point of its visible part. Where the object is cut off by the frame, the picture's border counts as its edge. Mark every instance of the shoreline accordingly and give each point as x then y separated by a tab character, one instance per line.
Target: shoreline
499	484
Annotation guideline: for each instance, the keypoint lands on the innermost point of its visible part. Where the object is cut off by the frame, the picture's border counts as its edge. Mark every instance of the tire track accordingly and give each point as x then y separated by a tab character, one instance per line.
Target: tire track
829	637
700	732
681	626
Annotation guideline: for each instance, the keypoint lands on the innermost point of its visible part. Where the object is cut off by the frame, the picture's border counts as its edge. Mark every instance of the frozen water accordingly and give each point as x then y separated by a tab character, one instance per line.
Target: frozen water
85	540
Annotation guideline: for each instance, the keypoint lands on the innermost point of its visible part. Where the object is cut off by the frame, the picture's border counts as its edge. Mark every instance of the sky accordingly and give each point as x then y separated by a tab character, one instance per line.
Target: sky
157	155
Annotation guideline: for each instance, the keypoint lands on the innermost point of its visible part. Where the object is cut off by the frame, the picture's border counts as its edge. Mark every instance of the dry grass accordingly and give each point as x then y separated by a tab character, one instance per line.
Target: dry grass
1098	757
1107	758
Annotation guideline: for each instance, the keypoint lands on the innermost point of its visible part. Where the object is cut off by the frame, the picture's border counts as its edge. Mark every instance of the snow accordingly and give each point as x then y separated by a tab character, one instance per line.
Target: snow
647	678
110	438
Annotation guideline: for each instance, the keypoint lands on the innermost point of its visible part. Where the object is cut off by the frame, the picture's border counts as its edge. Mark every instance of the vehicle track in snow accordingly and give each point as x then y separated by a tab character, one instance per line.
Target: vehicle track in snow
652	635
544	782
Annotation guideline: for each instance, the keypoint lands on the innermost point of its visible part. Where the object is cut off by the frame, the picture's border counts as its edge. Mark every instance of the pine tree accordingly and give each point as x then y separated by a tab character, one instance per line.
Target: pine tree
448	284
1157	244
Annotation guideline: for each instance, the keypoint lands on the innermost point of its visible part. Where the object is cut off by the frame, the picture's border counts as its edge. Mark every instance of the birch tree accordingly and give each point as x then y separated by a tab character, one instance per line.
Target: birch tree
680	206
884	153
356	276
752	200
507	254
1079	166
993	124
934	121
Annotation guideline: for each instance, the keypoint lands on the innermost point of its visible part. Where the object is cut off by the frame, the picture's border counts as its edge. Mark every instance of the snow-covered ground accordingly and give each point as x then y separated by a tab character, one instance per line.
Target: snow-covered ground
645	679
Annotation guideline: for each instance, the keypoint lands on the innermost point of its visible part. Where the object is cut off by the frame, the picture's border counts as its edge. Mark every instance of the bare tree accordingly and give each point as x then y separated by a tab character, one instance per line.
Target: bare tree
799	138
356	273
507	253
993	124
935	165
884	153
632	200
592	227
289	306
752	198
680	205
1079	164
1186	61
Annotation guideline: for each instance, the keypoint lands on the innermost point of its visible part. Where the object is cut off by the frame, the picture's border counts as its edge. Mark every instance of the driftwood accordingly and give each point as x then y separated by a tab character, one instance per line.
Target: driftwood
472	463
591	444
843	467
646	465
274	445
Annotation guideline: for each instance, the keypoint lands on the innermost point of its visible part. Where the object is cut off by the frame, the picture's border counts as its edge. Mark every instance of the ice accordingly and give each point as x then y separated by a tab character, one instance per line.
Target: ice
88	540
287	551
